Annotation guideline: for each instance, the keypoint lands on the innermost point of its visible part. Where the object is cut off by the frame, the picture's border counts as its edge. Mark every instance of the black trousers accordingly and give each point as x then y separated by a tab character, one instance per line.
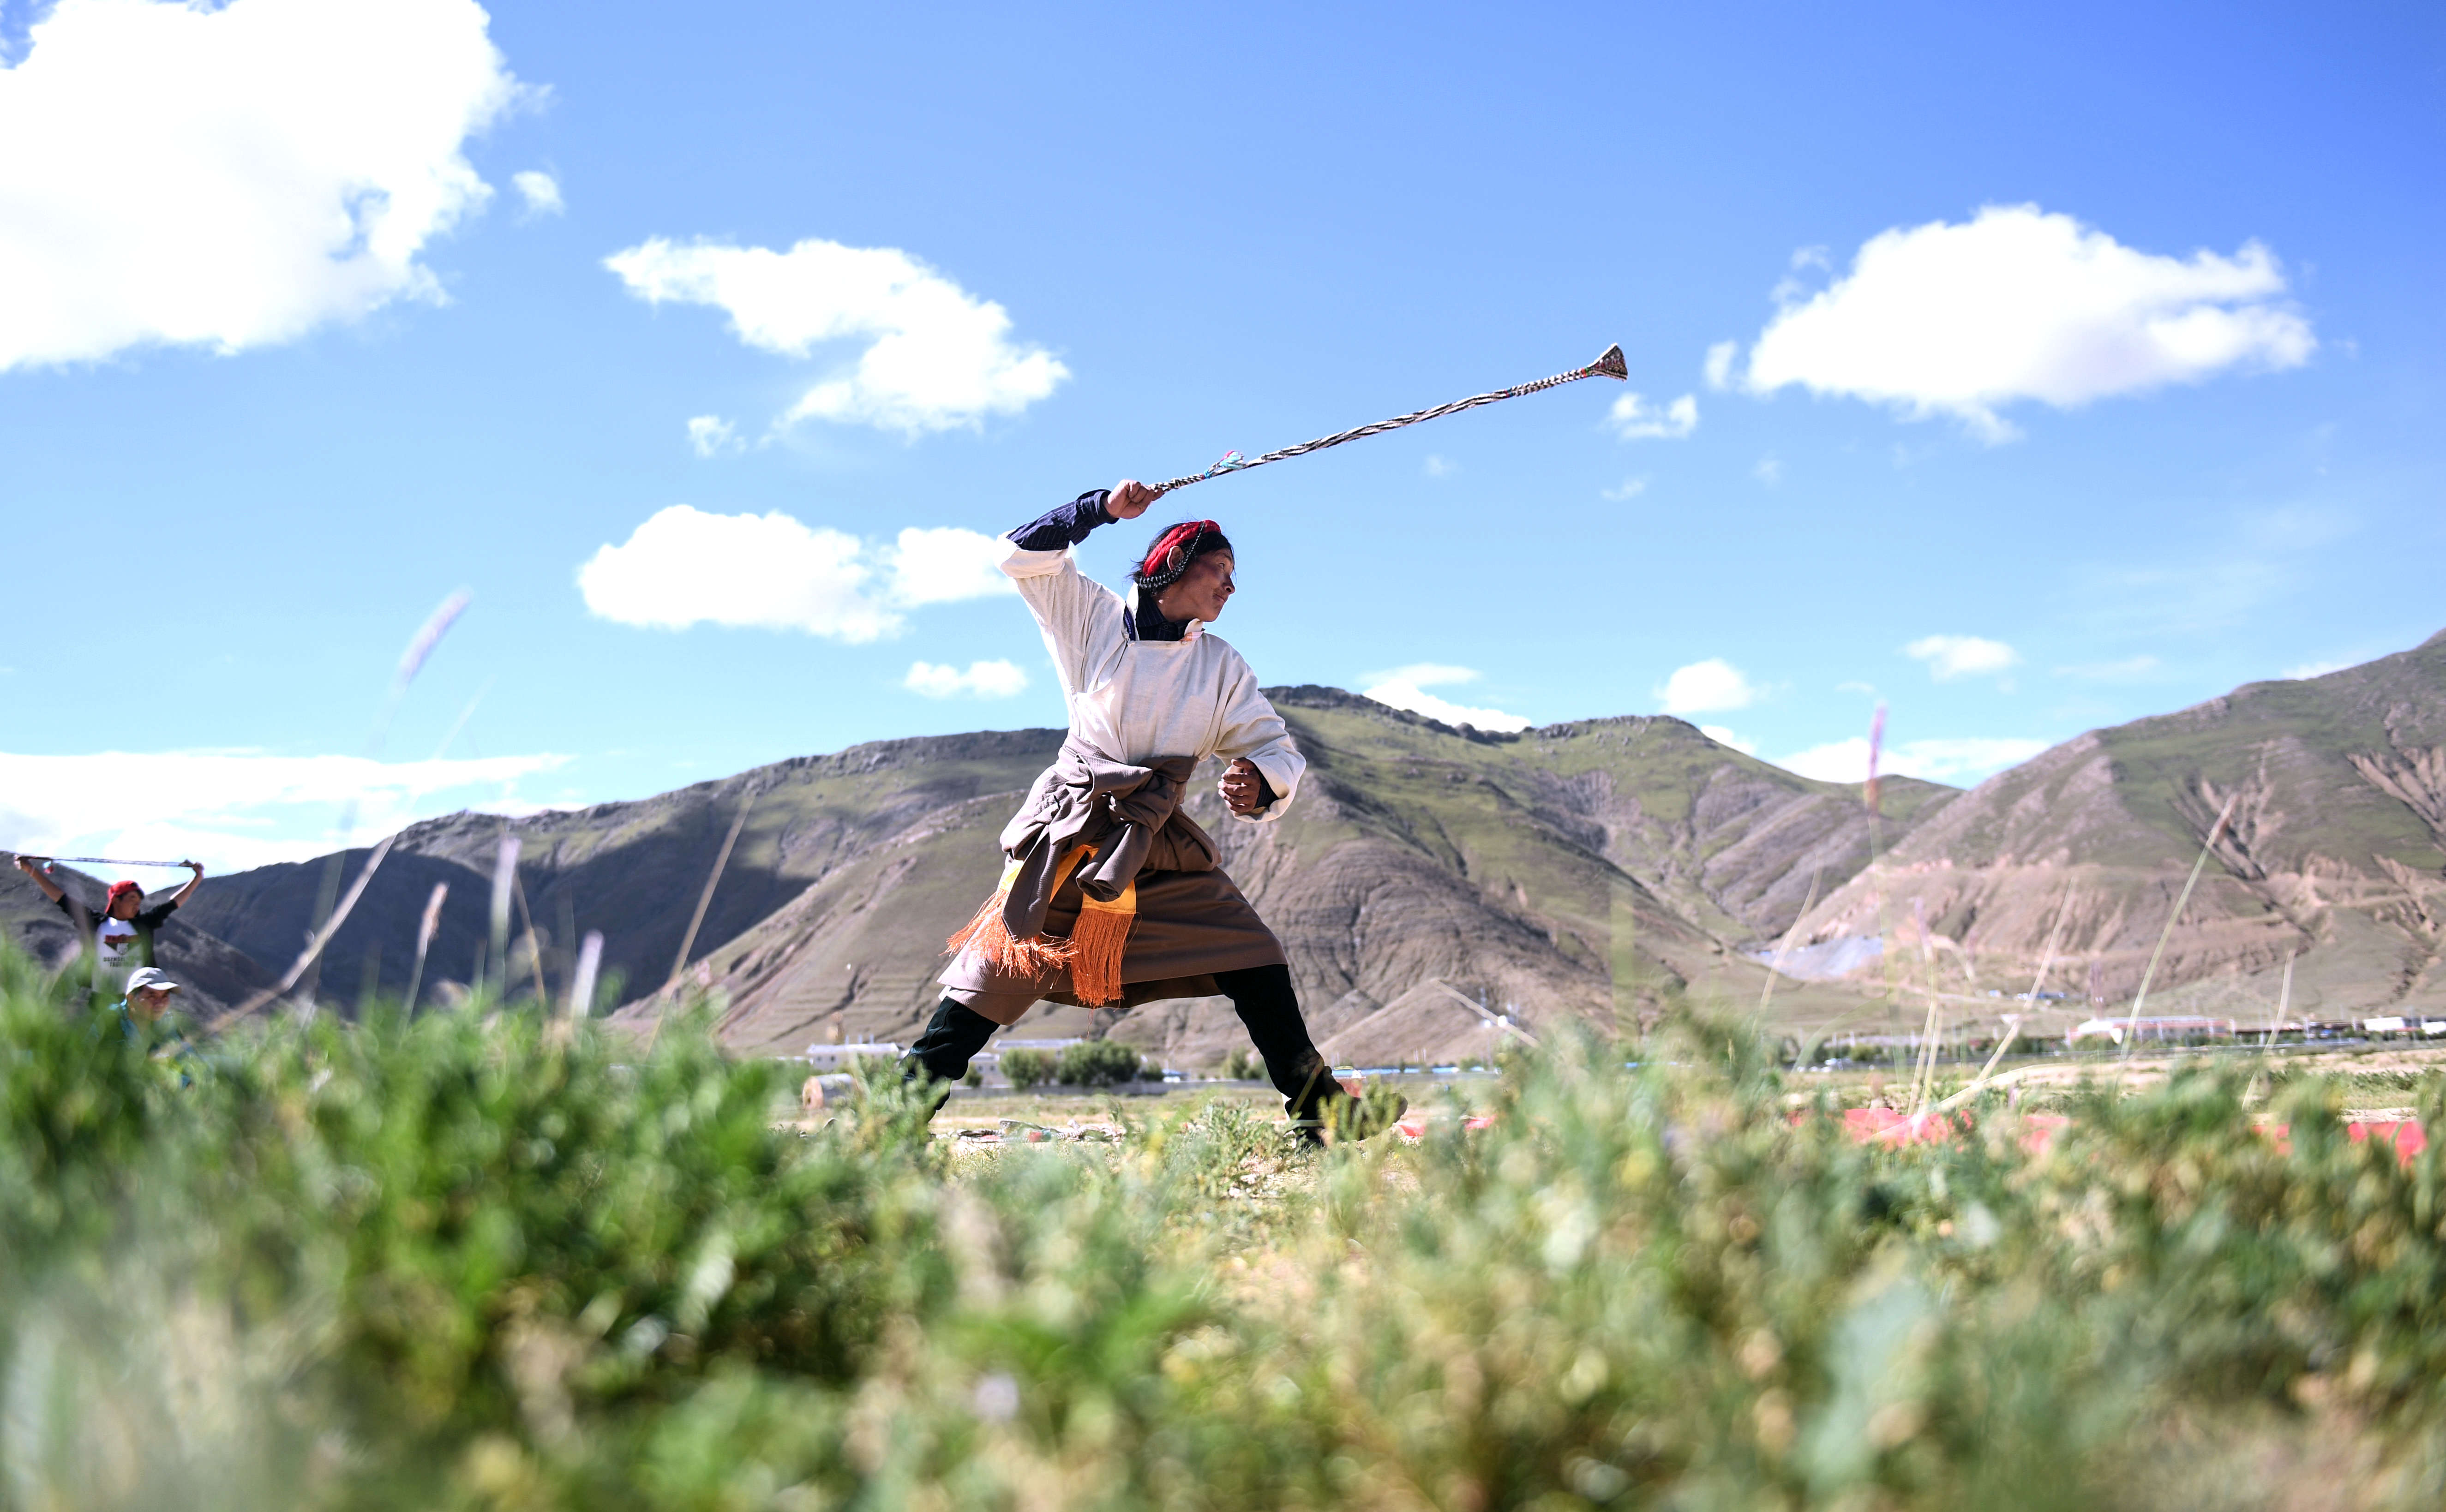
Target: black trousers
1261	995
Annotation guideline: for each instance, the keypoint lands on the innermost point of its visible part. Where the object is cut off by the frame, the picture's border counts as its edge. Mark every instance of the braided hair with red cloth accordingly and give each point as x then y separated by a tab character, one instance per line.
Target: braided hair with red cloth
1171	552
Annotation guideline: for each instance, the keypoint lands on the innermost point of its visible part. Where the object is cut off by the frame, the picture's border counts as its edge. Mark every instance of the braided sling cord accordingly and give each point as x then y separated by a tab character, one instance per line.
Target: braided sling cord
1608	365
110	861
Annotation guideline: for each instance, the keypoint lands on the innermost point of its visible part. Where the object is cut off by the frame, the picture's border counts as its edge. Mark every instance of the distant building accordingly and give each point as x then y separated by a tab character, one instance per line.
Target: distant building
989	1061
840	1057
2154	1026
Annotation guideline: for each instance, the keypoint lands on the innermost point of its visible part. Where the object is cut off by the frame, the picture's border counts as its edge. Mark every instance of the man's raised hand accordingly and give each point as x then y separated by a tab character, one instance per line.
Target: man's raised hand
1129	499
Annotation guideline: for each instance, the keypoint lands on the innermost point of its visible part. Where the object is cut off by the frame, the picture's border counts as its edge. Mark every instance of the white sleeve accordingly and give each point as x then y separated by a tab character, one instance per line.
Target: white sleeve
1251	729
1077	617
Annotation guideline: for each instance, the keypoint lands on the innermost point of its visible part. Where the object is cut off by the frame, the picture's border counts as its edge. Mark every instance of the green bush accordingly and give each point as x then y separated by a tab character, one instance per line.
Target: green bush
1098	1063
1027	1068
478	1260
1243	1065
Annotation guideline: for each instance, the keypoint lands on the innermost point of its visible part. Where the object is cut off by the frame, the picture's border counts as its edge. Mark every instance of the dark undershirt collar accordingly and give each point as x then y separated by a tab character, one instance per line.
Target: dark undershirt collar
1147	623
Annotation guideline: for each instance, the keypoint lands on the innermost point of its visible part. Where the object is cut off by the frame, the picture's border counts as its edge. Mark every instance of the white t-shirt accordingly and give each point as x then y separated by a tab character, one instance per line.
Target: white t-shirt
115	952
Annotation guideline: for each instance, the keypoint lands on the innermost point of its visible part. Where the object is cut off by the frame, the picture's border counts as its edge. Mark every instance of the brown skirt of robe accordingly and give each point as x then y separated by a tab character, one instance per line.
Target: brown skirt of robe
1190	925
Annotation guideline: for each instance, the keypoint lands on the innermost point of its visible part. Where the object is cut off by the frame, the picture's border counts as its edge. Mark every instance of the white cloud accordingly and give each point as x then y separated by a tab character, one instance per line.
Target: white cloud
1631	488
684	566
933	356
984	679
944	565
1703	687
1769	470
1719	365
1634	419
1961	760
540	191
712	435
1438	467
1404	687
1725	736
2312	669
2019	305
1954	656
236	808
232	176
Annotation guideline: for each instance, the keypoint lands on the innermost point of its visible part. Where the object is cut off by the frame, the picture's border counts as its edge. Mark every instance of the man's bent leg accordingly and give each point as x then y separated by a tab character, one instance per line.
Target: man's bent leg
944	1051
1264	998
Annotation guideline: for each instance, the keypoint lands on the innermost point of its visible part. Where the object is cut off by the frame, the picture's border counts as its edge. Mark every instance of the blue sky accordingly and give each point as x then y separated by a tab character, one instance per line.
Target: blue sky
2083	363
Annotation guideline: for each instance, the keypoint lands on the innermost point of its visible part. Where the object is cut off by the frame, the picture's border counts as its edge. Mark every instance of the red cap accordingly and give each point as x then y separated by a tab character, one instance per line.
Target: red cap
119	889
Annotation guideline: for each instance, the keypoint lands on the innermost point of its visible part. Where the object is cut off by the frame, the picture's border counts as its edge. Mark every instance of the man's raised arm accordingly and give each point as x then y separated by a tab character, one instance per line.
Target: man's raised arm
50	889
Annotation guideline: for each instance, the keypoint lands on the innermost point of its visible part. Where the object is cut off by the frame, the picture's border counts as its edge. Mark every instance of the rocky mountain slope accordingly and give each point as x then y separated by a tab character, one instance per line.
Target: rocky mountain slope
2332	859
632	870
1593	869
1583	869
1429	877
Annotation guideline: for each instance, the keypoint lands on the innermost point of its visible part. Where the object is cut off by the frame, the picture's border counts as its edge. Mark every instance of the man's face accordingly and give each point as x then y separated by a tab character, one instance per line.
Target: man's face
148	1003
1202	590
126	905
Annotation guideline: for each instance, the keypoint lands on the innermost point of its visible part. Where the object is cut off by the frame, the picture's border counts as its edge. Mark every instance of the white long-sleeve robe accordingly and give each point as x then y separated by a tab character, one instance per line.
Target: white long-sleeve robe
1134	699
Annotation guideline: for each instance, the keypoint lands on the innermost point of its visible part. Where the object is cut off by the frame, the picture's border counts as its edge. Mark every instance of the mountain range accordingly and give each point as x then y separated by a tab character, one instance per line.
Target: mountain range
2323	889
1432	881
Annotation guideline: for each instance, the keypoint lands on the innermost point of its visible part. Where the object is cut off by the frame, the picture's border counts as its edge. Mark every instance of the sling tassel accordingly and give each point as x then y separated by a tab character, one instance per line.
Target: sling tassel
1097	941
989	936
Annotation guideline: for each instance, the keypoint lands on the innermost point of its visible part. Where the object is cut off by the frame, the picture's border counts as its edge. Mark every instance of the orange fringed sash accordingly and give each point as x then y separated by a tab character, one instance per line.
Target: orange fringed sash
1092	954
1097	942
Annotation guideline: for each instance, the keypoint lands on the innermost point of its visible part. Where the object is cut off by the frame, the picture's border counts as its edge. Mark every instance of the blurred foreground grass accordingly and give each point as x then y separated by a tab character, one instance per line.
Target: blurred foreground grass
480	1260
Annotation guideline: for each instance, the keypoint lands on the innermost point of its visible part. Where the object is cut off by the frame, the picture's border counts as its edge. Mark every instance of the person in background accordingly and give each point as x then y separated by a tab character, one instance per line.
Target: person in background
145	1014
121	936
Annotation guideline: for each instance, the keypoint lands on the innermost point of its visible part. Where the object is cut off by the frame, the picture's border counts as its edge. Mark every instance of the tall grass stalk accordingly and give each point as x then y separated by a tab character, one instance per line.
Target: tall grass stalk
696	919
534	940
505	874
1924	1074
581	980
2284	1002
1783	949
313	951
712	881
425	928
2131	1022
2013	1021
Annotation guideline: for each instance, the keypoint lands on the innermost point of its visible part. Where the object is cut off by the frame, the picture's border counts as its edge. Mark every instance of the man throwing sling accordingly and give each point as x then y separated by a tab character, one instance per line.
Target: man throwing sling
1111	895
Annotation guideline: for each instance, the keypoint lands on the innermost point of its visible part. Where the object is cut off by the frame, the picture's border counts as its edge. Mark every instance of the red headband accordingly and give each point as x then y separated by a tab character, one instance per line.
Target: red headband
1171	552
